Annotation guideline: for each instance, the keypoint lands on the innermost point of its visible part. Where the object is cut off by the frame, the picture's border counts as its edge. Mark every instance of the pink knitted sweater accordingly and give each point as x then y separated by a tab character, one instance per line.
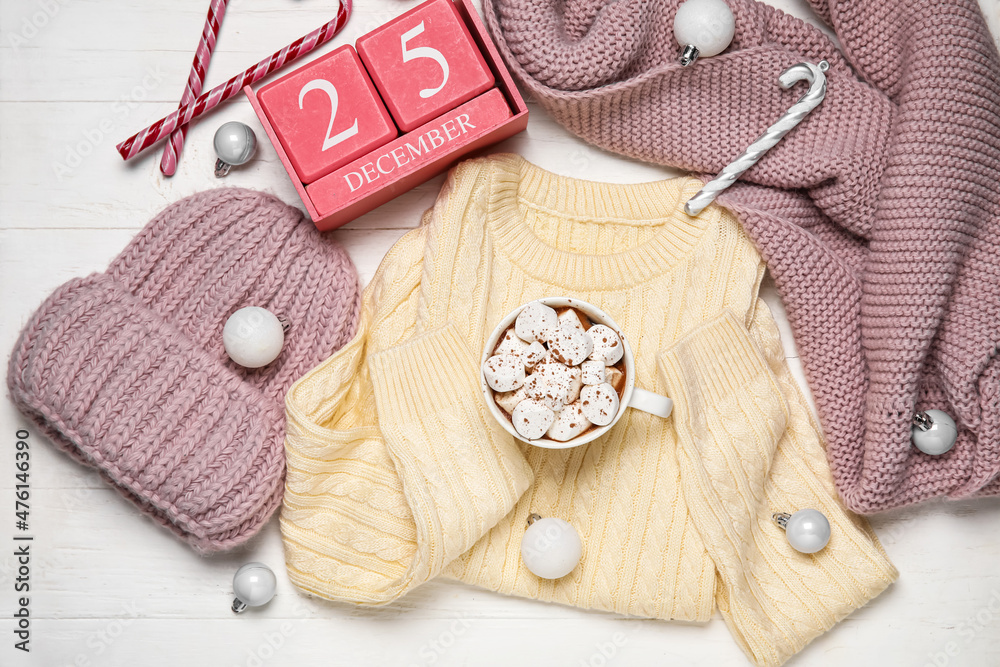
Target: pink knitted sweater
879	216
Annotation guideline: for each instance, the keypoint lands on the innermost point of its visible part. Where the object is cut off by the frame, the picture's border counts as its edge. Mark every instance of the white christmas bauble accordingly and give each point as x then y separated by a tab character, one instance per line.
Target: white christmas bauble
253	337
551	548
254	584
707	25
235	143
808	531
939	438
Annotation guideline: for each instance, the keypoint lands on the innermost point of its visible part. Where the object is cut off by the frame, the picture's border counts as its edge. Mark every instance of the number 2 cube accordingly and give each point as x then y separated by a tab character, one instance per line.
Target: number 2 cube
424	63
326	114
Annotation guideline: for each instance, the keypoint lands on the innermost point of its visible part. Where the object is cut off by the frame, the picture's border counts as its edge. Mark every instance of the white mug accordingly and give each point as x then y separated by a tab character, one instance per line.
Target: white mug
632	397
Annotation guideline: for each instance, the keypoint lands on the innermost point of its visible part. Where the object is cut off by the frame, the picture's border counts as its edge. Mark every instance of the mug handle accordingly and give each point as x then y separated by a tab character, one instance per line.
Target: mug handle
654	404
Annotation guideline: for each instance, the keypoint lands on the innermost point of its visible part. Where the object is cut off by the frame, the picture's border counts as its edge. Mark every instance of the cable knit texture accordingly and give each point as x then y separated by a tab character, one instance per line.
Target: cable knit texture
126	372
880	219
397	472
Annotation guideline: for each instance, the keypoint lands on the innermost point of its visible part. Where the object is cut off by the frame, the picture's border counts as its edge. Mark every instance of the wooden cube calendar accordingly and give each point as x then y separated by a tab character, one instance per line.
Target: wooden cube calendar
424	63
326	114
478	105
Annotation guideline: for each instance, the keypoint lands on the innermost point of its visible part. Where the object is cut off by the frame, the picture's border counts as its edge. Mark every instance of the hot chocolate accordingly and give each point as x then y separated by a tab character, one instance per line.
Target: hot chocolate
556	374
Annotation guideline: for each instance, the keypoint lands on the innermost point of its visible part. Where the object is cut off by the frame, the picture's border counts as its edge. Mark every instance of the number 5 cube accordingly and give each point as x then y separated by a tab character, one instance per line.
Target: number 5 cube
326	114
424	63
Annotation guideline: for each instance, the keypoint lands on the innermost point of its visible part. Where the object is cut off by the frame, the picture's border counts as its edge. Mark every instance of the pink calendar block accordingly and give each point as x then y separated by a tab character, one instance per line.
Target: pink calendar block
394	163
326	114
397	165
424	63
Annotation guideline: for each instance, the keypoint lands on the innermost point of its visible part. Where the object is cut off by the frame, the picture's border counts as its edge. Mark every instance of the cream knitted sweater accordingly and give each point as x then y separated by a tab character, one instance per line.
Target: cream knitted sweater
397	472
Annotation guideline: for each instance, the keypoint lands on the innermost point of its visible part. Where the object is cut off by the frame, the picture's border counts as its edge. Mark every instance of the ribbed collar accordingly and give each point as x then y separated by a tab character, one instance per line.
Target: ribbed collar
519	185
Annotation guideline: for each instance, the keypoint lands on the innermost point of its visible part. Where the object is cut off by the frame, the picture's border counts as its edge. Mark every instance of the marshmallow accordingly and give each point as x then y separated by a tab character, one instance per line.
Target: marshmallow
508	400
614	377
570	346
532	419
569	423
593	372
534	320
533	354
551	402
570	318
607	345
599	403
512	345
576	384
547	359
504	372
551	384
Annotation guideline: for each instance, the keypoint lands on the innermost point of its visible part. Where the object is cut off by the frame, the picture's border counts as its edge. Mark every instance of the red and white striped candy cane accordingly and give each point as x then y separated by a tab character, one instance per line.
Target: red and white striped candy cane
202	56
142	140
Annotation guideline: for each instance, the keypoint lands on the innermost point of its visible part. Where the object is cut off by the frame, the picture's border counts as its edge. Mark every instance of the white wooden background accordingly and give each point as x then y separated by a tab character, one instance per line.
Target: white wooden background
110	588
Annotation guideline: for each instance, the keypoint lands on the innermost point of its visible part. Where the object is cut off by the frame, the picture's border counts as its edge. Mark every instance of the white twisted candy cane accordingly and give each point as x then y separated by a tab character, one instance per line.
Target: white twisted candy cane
814	74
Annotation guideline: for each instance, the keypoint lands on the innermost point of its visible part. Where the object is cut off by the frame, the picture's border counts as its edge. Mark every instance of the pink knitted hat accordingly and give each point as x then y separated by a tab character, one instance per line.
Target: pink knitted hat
126	371
878	216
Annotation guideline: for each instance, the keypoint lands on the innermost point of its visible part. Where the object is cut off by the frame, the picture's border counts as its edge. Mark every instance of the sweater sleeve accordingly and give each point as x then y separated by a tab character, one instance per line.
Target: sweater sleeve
746	453
394	467
460	471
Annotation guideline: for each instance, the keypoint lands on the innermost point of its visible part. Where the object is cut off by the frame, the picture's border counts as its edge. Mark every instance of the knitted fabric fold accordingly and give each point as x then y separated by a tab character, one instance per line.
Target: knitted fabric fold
125	370
878	216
